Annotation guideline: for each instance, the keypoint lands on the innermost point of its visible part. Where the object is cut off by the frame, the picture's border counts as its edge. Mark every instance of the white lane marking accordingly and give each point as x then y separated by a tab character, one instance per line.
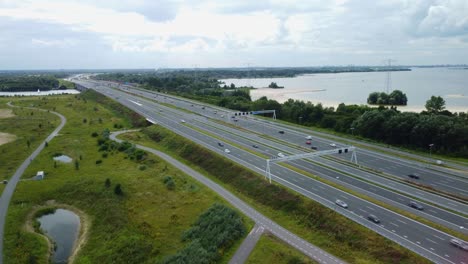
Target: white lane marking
439	237
394	224
370	208
403	222
431	241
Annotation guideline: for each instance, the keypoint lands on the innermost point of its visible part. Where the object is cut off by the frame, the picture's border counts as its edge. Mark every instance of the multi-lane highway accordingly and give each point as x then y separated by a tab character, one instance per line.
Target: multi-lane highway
420	238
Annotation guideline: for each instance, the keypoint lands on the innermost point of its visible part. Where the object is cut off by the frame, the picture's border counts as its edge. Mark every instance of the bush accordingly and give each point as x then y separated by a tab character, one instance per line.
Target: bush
98	161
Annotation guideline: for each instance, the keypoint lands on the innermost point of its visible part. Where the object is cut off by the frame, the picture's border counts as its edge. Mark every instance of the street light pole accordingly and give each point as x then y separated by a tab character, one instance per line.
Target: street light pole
430	149
352	131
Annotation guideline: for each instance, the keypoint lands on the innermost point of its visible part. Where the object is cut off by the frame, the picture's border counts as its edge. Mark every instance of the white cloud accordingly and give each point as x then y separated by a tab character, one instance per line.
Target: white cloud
53	43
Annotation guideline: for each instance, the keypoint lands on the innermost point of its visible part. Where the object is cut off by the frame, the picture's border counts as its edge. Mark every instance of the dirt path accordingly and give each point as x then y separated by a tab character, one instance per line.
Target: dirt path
83	229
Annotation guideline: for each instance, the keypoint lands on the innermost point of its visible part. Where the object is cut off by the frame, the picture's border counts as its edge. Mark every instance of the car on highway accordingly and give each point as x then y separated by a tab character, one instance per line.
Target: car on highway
281	132
373	218
222	115
255	146
203	108
308	142
415	205
220	144
182	121
281	155
314	147
227	151
341	203
414	176
459	243
333	145
309	137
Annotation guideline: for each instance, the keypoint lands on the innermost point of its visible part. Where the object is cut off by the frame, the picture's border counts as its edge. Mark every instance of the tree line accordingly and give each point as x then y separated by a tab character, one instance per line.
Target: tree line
447	131
28	83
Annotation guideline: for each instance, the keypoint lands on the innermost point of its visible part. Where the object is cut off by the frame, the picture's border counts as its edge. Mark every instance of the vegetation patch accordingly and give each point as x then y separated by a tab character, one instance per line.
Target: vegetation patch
215	231
134	217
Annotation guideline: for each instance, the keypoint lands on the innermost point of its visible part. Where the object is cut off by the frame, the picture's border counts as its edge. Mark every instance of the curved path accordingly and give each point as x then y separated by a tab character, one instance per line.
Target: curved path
10	188
302	245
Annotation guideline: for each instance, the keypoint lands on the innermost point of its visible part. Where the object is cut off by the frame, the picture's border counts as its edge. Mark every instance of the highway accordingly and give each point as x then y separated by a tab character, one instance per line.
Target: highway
262	221
11	186
422	239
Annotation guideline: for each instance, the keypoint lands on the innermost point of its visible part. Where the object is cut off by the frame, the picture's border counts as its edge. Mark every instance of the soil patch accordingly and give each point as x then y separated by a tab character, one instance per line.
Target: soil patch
6	113
5	138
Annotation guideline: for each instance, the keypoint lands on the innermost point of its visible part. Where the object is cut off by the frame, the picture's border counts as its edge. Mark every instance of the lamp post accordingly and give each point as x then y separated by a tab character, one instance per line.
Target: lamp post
352	131
300	120
430	149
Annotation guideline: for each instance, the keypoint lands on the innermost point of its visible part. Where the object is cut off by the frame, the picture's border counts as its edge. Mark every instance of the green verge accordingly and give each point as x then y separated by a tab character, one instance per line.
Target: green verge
317	224
143	225
270	249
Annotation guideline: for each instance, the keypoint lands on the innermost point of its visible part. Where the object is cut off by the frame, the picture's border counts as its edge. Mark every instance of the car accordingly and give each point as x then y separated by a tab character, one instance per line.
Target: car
281	155
341	203
203	108
222	115
415	205
308	142
373	218
314	147
220	144
255	146
413	176
183	121
281	132
191	105
459	243
227	151
235	120
333	145
309	137
215	112
160	110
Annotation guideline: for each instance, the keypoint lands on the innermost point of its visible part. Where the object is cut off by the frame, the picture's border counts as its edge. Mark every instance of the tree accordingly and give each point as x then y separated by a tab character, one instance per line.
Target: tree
372	99
77	165
118	190
397	97
107	183
435	104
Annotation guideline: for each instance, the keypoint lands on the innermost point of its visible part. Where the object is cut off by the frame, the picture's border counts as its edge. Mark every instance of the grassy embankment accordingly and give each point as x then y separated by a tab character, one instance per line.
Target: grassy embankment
28	125
143	225
270	249
317	224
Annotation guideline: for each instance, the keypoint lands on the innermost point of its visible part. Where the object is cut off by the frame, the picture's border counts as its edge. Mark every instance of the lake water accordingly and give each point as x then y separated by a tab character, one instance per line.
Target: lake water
419	85
62	226
40	93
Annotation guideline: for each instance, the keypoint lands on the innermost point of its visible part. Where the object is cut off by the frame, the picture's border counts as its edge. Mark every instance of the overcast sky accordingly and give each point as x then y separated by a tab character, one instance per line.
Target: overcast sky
162	33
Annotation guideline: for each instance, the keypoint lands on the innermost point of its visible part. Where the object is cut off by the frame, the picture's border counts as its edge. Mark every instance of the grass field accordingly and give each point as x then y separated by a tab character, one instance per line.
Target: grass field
315	223
270	249
143	225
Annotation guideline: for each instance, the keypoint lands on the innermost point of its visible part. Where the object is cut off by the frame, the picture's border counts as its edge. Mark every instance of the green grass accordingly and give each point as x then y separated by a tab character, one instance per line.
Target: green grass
27	125
317	224
144	224
270	249
67	84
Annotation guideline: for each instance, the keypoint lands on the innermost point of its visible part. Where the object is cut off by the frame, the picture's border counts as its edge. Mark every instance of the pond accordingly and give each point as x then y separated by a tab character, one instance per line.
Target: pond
62	227
63	158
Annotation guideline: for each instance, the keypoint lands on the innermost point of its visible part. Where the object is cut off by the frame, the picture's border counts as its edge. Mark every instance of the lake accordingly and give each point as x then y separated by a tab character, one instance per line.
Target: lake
419	85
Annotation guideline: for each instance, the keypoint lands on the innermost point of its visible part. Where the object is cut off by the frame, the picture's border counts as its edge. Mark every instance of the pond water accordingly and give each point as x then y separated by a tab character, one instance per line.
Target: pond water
62	227
63	158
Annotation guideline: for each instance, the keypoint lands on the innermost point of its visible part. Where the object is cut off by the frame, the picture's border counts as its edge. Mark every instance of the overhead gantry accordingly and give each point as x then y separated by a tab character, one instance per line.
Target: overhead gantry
311	155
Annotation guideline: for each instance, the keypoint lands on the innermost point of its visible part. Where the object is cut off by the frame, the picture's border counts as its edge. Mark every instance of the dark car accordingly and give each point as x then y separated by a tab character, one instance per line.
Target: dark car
413	176
255	146
415	205
220	144
281	132
373	218
314	148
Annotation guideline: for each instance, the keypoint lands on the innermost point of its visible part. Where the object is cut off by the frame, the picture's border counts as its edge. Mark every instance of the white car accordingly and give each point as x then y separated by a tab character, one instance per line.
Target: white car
309	137
183	121
227	151
281	155
333	145
341	203
459	243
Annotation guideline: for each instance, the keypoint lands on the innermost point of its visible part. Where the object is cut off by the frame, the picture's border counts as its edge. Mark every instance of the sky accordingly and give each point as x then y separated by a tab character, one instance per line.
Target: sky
62	34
